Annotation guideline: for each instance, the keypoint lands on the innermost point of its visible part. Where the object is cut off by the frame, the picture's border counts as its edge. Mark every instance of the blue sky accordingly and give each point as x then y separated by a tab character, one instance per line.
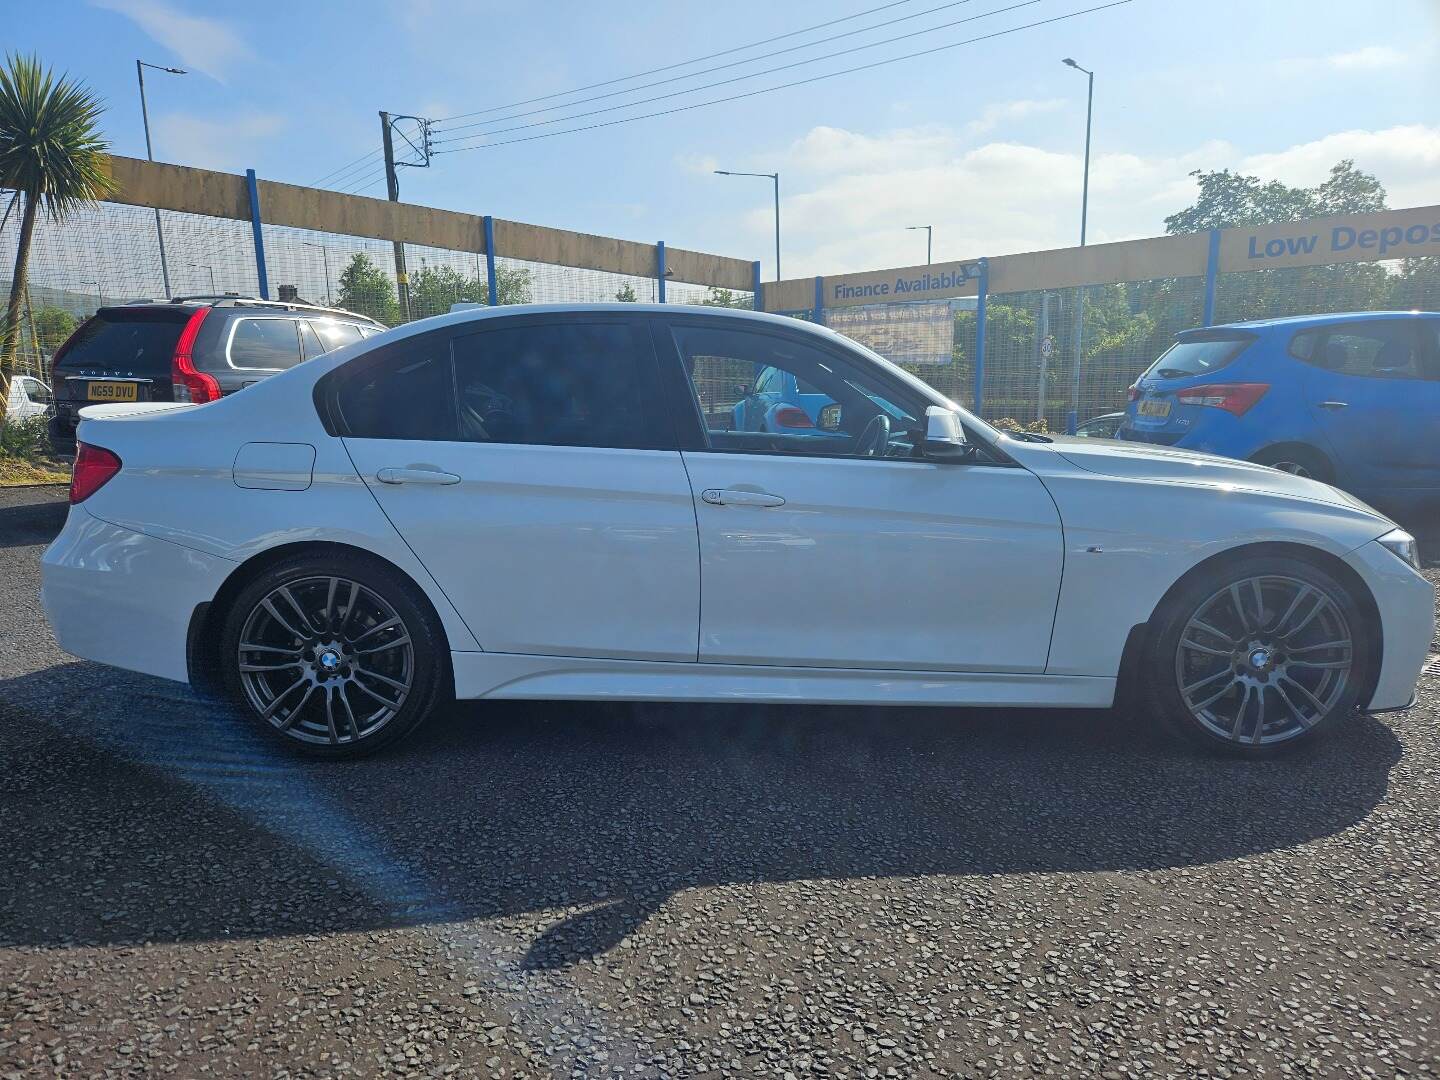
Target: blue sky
984	141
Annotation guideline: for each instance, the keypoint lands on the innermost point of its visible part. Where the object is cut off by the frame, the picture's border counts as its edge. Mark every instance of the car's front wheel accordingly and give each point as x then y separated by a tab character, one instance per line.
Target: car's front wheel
1261	655
333	655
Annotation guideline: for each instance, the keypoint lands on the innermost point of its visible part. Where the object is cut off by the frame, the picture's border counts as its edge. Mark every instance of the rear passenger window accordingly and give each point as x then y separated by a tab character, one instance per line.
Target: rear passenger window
1377	350
559	384
334	334
264	343
402	392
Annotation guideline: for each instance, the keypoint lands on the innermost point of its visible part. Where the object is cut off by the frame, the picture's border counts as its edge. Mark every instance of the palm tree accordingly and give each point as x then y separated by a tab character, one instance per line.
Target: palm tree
51	155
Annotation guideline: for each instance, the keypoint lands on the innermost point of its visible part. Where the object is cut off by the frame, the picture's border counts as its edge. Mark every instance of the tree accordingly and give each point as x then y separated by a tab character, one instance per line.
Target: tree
52	326
52	156
626	294
1228	199
366	290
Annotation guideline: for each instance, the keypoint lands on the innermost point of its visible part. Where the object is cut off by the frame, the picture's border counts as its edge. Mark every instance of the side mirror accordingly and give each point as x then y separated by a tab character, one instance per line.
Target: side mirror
944	437
740	390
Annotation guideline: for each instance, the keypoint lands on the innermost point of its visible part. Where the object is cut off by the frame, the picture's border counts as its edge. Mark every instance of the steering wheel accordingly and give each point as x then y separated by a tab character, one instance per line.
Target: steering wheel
875	438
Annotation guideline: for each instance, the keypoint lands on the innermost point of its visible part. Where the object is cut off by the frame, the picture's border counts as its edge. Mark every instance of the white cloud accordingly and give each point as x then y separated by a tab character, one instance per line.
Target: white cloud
698	163
202	44
1007	112
1405	158
1368	58
214	142
851	194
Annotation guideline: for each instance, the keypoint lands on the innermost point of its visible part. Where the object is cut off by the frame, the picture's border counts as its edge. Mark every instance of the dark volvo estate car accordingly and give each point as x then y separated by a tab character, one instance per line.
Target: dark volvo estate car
195	349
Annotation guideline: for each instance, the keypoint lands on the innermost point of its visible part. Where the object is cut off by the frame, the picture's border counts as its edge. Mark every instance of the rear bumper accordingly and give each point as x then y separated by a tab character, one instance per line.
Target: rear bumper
123	598
1407	623
61	430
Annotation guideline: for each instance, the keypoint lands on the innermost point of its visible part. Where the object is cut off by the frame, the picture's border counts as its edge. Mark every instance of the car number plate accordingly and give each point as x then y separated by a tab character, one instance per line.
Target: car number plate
112	391
1156	410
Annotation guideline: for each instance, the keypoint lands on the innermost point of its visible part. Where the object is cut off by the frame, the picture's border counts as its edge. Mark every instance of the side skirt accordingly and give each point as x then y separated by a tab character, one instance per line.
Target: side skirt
514	676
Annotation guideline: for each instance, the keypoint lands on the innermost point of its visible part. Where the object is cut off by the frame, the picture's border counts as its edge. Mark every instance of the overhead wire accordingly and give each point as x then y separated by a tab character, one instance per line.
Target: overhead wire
783	86
344	168
718	67
742	78
679	64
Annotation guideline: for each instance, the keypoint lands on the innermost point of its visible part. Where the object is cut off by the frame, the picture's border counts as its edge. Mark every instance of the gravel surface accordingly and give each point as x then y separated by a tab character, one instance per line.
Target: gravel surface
568	890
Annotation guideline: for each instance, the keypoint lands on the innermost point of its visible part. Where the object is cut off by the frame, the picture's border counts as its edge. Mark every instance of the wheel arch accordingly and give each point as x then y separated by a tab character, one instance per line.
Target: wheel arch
1302	448
201	655
1131	670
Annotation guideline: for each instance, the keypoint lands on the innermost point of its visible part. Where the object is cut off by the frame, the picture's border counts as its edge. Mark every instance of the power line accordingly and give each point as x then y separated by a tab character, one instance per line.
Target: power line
718	67
682	63
751	75
789	85
343	168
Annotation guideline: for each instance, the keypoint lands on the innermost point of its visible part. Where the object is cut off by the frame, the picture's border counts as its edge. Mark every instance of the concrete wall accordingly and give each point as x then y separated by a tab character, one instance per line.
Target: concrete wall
216	194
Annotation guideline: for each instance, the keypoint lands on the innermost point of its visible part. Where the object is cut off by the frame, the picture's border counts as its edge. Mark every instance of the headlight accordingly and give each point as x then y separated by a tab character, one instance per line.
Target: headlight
1403	545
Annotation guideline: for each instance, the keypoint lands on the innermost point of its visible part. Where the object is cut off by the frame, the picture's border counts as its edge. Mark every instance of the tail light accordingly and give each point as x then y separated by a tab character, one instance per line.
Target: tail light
791	417
1236	398
188	384
94	466
1132	392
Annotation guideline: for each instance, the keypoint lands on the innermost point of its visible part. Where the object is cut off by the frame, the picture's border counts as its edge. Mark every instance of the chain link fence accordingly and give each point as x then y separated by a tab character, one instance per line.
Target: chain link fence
118	252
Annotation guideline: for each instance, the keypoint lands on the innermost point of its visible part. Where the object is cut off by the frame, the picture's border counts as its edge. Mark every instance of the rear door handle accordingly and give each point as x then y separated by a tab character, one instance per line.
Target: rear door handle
415	476
736	497
1333	405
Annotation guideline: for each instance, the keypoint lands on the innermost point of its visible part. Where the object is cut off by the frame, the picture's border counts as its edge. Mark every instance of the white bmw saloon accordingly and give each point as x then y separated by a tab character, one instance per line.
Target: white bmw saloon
609	502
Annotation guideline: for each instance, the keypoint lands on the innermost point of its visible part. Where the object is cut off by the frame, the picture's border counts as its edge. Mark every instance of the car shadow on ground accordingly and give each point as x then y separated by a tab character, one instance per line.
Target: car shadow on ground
34	521
142	813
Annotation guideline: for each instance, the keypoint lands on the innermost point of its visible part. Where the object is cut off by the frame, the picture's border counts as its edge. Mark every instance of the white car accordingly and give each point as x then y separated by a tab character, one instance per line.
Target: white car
543	502
29	397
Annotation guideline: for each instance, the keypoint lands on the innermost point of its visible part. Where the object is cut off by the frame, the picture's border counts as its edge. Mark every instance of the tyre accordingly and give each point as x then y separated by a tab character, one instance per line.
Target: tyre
1299	460
1260	655
335	656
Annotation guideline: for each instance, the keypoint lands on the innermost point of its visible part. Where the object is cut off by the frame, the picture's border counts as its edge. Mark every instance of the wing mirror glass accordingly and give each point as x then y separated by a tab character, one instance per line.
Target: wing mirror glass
944	436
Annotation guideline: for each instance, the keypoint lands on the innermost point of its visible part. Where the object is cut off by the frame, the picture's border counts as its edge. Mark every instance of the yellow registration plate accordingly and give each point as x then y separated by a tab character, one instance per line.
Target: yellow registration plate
1156	409
112	391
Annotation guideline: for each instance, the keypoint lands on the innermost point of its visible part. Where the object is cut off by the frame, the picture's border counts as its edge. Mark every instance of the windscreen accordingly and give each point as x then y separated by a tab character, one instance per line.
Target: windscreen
125	342
1199	354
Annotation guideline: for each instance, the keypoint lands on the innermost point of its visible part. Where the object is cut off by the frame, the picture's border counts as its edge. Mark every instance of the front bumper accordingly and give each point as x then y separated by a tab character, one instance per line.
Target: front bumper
1407	623
123	598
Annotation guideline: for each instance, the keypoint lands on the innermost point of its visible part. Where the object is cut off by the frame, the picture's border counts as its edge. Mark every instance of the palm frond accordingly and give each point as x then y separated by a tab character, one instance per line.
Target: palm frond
50	144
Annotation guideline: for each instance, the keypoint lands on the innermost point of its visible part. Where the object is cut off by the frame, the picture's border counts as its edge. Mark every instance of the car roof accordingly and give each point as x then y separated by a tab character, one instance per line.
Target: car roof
1325	319
480	314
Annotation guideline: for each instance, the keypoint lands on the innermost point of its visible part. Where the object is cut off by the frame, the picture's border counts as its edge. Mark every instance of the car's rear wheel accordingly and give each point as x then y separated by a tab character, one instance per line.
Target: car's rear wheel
1297	460
334	656
1261	655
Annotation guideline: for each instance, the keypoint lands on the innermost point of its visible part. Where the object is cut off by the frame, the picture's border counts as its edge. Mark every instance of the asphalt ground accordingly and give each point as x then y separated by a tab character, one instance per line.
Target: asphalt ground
663	891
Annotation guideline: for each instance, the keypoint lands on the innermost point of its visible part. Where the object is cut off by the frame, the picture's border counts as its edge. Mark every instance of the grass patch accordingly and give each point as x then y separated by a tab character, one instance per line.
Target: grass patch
19	473
25	456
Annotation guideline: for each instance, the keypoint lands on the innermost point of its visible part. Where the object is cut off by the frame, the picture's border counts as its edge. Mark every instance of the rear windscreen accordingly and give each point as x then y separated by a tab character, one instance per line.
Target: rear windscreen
126	342
1199	355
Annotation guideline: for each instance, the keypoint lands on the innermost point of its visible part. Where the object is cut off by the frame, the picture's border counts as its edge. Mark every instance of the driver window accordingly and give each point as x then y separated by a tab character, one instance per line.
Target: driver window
838	408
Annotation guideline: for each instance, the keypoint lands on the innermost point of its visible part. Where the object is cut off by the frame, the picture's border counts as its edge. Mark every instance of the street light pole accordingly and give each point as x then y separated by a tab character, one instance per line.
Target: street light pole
1073	418
325	256
929	231
140	66
775	176
99	296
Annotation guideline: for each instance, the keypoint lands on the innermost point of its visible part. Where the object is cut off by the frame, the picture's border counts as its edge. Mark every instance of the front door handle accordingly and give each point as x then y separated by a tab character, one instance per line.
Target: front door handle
736	497
1334	405
415	476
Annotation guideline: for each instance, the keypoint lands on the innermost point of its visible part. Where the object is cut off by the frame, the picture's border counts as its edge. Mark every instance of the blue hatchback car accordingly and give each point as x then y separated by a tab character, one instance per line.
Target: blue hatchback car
1351	399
